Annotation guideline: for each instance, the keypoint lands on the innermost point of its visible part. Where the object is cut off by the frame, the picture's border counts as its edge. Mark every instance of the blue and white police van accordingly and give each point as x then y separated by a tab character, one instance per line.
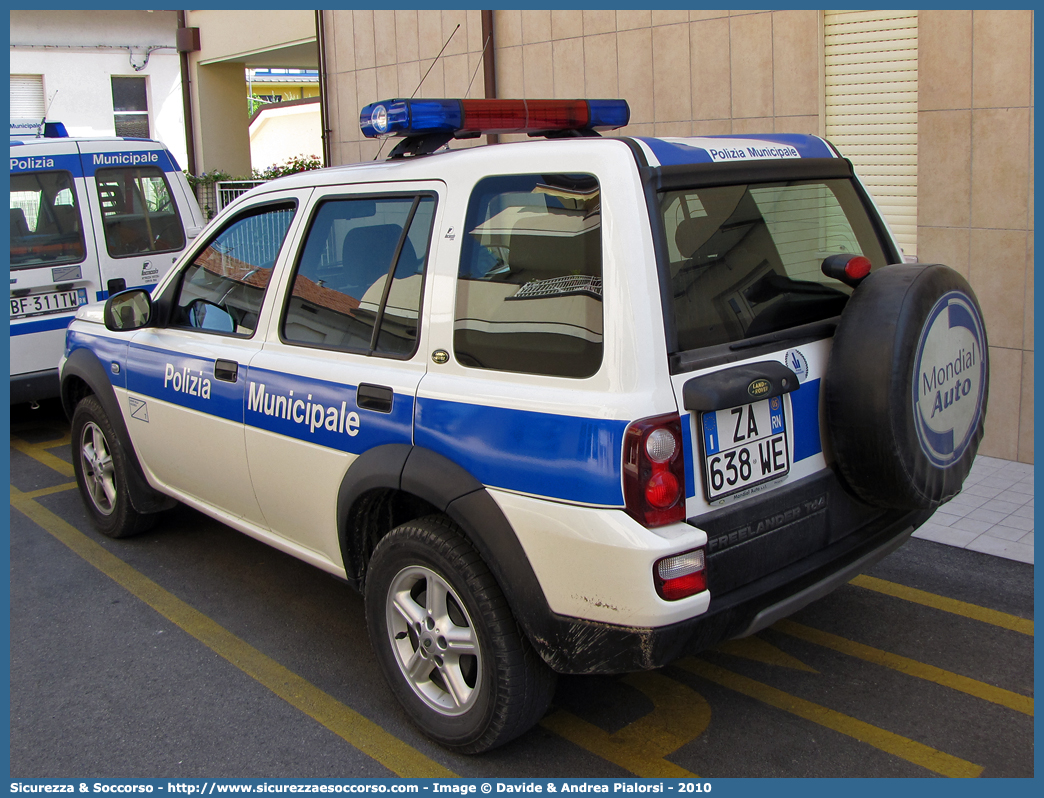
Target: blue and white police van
579	404
89	217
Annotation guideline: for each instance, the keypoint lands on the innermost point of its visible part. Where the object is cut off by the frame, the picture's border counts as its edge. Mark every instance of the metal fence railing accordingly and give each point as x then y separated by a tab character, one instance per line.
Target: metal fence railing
255	240
228	190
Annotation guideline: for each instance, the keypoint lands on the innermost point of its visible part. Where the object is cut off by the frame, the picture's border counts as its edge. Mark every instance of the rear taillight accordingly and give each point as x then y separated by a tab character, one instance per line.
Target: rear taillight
654	471
680	575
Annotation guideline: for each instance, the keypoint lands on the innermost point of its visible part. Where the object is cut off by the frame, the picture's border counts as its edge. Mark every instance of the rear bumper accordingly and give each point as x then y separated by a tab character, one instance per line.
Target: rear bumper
577	646
34	386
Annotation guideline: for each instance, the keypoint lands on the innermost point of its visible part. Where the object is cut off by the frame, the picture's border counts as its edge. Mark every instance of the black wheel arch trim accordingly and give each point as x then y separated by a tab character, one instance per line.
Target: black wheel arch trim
85	365
578	646
454	491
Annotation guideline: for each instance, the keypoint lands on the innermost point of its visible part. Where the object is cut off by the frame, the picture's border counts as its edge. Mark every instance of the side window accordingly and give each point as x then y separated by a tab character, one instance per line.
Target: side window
341	296
221	290
529	289
45	221
138	211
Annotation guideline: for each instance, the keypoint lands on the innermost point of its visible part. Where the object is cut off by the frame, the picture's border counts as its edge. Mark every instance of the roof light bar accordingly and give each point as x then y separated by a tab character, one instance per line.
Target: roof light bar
466	118
55	130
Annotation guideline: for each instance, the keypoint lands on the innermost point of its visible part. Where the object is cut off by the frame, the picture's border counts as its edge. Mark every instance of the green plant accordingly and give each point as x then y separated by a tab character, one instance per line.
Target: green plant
298	163
254	102
207	178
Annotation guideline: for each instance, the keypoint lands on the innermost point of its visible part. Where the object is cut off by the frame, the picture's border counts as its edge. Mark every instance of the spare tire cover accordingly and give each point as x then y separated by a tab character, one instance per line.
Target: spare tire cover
906	389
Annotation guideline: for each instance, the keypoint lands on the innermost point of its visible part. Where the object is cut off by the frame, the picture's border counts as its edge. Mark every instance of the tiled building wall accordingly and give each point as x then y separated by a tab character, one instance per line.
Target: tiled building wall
975	192
375	55
682	72
713	72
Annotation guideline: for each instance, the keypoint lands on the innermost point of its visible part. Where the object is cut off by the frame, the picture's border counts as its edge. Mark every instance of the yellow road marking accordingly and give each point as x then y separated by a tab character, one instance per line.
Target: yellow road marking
759	650
1001	619
36	494
987	692
65	440
895	744
680	715
38	451
343	721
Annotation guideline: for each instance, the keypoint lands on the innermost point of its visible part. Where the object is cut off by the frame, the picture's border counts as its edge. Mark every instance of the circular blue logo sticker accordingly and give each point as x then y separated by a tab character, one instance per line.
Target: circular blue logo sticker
798	363
949	378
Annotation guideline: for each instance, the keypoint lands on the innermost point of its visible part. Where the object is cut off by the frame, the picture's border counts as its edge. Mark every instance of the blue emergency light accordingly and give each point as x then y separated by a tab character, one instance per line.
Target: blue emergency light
31	128
468	118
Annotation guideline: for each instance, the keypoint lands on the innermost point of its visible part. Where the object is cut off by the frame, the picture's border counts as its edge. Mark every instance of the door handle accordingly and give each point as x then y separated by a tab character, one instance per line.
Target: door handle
374	397
226	370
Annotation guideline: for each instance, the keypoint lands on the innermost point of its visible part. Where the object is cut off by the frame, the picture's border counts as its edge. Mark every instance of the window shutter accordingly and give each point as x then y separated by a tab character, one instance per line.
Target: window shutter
871	107
27	97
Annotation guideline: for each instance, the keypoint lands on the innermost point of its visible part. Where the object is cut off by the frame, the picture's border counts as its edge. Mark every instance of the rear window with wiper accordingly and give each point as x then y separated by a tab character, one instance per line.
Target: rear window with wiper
745	260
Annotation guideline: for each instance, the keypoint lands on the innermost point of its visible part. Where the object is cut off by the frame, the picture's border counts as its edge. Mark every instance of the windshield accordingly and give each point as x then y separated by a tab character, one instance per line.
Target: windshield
45	222
745	259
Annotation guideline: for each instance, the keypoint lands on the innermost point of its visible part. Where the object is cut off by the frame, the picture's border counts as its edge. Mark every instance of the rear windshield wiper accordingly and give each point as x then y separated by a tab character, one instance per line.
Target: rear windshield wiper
816	330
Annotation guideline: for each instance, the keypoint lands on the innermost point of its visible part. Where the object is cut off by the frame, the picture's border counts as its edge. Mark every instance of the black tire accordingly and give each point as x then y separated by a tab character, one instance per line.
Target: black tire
907	385
470	702
101	473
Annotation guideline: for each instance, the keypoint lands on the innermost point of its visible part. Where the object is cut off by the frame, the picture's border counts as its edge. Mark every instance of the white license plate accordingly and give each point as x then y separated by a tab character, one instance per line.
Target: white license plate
51	302
744	446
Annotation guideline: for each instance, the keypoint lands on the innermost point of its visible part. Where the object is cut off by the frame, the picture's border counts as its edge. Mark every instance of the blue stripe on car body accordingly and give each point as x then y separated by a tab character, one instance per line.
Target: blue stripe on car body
93	161
689	423
317	411
56	322
184	380
670	153
87	164
30	161
107	350
321	412
805	404
561	457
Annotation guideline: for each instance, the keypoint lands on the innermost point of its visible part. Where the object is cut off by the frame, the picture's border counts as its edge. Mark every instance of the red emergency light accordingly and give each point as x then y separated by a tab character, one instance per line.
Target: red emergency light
467	118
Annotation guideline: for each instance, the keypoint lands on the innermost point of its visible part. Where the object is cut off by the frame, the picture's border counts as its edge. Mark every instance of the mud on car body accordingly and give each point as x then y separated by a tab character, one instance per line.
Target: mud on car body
575	405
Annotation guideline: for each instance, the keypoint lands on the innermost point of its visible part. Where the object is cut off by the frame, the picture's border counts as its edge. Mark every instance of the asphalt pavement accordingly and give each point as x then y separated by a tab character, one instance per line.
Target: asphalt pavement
195	651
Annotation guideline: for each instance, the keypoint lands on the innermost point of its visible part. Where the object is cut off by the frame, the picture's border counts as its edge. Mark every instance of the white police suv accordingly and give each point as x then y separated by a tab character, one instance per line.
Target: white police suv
574	405
89	217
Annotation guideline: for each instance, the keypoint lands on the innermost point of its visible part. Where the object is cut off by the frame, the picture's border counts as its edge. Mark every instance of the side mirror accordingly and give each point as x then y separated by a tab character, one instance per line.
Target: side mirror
128	310
205	315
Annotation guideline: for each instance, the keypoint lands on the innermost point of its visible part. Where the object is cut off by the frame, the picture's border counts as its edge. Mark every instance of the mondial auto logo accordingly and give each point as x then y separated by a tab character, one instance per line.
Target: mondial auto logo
379	119
949	378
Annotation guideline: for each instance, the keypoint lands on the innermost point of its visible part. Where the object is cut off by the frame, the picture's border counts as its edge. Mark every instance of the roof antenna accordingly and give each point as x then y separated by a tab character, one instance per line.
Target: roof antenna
378	155
478	66
47	110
